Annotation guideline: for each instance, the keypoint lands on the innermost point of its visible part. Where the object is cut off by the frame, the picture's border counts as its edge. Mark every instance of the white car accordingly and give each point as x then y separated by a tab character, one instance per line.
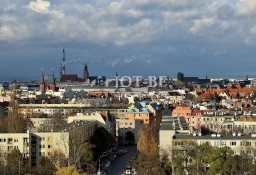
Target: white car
127	171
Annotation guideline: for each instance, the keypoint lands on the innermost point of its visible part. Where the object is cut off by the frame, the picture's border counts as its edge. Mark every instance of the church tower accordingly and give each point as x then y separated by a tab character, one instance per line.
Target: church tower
42	82
52	82
86	73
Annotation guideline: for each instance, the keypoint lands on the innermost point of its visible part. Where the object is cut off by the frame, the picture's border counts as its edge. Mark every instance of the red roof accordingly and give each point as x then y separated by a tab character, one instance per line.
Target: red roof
69	77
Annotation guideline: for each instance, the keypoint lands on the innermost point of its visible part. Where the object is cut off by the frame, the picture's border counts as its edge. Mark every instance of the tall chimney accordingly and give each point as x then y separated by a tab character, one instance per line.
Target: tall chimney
63	62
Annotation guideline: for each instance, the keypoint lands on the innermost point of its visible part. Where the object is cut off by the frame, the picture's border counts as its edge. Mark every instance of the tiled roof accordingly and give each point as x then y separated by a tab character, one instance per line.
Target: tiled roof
69	77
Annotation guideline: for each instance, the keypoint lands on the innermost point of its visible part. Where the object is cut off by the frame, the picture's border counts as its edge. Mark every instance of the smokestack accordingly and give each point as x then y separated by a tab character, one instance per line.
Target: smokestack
63	59
63	62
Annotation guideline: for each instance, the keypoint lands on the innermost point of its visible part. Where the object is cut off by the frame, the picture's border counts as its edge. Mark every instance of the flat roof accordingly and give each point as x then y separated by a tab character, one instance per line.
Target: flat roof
209	137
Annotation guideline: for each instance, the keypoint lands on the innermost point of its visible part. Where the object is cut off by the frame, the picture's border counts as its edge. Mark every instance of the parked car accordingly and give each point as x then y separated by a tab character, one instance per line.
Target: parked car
128	171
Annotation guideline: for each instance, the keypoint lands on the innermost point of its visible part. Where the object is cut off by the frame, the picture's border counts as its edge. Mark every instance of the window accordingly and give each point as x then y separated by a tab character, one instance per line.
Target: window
49	139
223	143
9	140
2	140
49	146
16	147
2	147
10	148
232	143
41	139
15	139
248	143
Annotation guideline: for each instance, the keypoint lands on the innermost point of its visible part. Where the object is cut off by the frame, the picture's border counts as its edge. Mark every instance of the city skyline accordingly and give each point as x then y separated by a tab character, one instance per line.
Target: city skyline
198	38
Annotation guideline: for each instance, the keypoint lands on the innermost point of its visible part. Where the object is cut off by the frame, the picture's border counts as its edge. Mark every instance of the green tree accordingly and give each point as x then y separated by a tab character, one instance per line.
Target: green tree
184	157
220	161
166	163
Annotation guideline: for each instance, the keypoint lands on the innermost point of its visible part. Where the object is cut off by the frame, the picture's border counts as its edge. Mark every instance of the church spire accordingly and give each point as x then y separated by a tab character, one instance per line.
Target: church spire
42	82
86	73
42	77
52	78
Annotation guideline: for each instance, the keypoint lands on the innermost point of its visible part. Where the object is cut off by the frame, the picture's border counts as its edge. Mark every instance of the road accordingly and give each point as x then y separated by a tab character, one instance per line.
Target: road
118	166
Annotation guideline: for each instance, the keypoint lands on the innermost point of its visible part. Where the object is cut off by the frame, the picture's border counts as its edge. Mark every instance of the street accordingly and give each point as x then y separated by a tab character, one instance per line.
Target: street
118	166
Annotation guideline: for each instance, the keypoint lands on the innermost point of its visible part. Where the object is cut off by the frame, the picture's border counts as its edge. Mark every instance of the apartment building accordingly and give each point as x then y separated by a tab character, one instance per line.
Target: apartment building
170	137
245	124
124	125
32	145
140	111
218	123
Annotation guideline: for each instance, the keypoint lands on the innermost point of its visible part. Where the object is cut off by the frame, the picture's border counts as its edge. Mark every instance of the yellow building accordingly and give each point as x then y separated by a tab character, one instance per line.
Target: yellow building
32	145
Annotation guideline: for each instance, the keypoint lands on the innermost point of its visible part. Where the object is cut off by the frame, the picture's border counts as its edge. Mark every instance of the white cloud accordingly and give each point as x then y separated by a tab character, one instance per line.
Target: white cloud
10	34
40	6
6	32
246	8
131	22
201	24
128	60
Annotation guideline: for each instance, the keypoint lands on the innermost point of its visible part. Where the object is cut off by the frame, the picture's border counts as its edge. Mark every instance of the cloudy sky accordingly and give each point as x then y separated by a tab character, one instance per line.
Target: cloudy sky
134	37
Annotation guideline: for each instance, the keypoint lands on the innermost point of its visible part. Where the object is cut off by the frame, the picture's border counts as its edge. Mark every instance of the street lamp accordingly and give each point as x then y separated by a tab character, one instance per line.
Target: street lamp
104	154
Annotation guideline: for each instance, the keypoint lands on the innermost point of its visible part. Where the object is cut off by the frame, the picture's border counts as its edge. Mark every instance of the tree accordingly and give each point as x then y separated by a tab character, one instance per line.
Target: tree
45	166
148	161
220	161
15	164
15	123
3	126
101	140
57	120
86	159
81	150
166	163
184	157
68	171
58	158
2	166
129	137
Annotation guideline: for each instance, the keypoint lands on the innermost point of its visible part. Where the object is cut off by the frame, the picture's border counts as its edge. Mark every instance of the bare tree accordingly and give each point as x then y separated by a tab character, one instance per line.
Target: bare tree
15	122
